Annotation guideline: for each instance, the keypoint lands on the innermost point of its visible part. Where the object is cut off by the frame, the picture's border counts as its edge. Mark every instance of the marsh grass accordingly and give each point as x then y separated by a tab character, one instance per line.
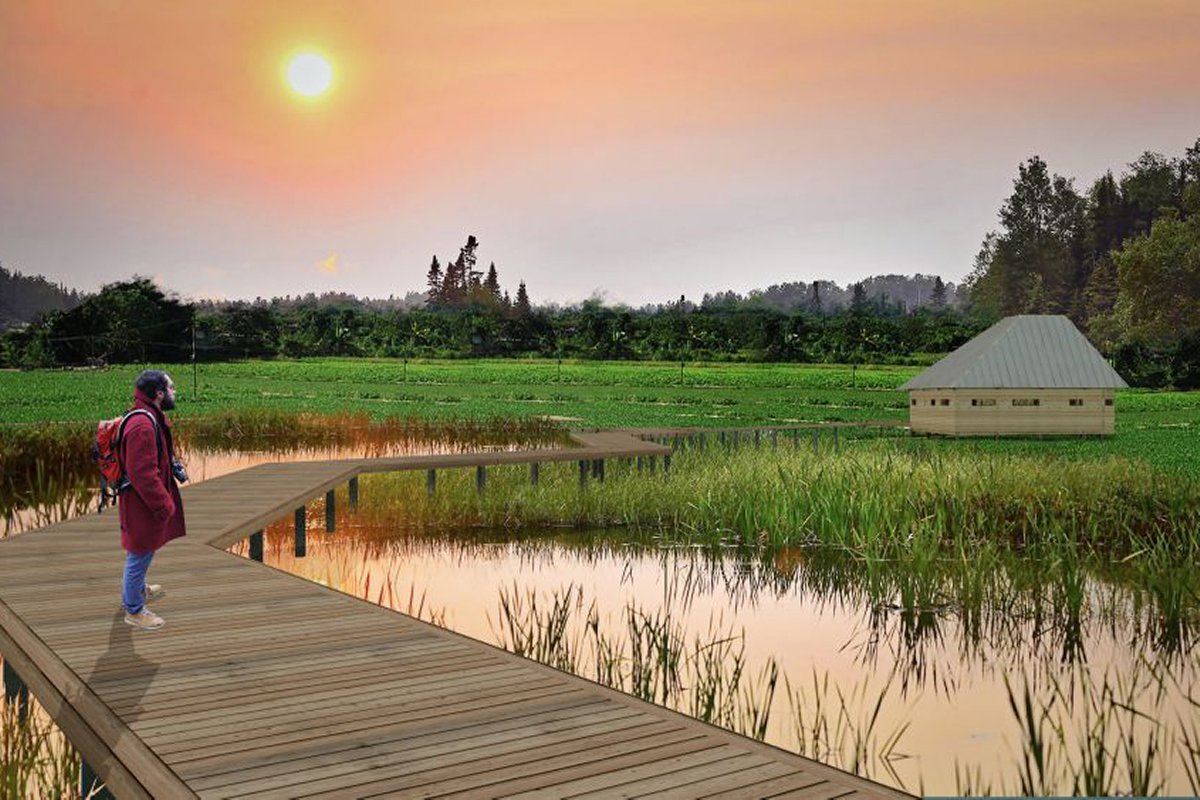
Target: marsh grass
1103	734
924	533
880	498
647	653
843	727
47	474
36	760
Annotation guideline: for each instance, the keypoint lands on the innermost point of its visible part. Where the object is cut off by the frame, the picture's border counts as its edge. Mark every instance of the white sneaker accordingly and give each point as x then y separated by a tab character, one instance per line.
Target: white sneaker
145	619
153	591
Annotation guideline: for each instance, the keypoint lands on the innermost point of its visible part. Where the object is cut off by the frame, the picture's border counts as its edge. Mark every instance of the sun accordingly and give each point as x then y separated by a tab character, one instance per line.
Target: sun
309	74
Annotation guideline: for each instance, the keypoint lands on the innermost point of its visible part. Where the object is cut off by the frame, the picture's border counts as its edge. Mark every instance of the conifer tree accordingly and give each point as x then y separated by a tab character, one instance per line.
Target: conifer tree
433	280
492	283
939	293
523	307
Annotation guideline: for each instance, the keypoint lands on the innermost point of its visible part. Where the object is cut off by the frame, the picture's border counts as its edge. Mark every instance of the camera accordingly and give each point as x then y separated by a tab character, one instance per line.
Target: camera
178	470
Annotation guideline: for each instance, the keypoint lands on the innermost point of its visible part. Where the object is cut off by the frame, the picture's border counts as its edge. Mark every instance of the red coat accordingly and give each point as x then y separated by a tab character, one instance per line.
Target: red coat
151	510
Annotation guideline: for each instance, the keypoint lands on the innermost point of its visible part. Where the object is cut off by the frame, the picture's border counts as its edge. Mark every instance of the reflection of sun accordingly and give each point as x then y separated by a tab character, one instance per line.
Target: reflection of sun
309	75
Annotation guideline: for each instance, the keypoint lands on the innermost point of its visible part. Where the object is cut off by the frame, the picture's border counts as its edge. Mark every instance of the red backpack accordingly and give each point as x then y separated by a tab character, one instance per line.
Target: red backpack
106	452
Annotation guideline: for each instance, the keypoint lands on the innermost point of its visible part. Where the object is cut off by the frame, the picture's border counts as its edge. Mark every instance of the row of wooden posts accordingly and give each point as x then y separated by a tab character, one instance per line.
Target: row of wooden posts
593	468
587	467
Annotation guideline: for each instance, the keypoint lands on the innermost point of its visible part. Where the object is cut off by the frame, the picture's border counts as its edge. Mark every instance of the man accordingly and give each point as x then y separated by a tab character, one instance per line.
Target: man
151	508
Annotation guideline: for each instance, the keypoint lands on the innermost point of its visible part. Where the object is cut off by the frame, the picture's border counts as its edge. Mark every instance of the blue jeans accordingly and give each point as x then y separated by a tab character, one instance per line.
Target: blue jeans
132	595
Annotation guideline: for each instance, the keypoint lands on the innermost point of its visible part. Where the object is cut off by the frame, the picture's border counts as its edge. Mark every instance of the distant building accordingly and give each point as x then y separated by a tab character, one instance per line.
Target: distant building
1025	375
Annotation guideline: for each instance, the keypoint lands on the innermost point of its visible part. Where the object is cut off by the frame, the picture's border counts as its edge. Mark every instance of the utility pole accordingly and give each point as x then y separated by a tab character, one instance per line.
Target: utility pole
195	391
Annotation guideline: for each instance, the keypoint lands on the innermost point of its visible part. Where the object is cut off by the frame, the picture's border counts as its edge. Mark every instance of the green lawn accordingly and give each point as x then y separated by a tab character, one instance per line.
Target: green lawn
1162	428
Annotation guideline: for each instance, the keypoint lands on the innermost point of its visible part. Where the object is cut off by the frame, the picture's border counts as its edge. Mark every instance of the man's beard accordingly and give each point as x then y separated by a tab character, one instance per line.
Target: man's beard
168	403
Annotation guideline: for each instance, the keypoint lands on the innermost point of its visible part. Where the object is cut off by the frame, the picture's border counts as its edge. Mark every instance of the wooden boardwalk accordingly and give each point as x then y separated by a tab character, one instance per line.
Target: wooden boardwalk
263	684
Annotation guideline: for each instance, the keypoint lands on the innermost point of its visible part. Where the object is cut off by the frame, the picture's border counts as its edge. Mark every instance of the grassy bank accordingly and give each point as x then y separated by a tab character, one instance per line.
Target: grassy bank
1160	428
972	532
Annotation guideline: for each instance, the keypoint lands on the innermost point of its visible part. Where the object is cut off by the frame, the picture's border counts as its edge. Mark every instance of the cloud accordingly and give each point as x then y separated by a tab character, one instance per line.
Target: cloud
329	265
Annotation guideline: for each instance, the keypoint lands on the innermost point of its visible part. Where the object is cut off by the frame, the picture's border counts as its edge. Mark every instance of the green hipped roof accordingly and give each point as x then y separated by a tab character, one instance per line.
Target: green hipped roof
1030	351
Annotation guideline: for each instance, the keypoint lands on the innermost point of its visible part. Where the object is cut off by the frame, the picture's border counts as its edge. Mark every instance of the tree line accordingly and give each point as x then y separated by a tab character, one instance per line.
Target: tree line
134	321
1121	259
25	298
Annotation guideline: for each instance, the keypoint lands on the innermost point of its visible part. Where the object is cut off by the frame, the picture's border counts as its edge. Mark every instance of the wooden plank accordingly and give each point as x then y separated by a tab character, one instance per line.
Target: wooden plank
773	787
493	705
296	718
532	773
691	778
520	728
282	667
308	778
214	710
116	776
368	736
137	758
707	785
609	782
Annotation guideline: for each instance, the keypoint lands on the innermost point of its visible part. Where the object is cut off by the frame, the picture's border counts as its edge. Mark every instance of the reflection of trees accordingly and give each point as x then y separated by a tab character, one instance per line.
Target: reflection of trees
936	622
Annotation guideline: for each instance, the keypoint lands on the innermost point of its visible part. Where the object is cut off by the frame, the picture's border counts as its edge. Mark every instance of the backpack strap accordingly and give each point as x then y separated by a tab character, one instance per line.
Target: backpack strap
121	430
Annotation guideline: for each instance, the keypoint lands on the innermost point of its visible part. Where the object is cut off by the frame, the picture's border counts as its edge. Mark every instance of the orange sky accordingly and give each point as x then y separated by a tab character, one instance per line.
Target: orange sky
642	149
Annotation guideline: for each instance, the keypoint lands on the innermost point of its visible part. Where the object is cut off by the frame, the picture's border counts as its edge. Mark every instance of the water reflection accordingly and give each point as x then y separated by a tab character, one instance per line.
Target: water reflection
824	617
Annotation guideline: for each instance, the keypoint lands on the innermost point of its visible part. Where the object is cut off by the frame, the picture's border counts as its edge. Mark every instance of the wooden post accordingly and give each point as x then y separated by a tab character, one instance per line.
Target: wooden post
480	478
652	460
639	465
534	470
354	493
722	438
431	482
16	693
756	438
703	440
737	439
816	440
835	439
600	469
774	439
583	473
330	512
301	543
256	546
666	464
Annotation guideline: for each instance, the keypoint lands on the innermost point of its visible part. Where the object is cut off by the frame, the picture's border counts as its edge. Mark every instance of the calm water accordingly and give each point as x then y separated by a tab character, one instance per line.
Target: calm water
941	675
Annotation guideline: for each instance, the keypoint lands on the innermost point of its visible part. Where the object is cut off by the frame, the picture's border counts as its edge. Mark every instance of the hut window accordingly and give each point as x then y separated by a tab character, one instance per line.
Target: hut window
932	402
987	401
1026	401
1108	401
914	401
945	402
1076	401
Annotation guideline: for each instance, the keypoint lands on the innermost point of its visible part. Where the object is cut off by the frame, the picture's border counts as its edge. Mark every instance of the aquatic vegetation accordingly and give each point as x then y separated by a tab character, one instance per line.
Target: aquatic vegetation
36	759
47	473
650	655
879	498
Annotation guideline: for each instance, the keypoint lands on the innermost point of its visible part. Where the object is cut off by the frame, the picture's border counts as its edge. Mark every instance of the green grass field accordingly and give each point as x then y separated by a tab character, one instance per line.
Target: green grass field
1161	428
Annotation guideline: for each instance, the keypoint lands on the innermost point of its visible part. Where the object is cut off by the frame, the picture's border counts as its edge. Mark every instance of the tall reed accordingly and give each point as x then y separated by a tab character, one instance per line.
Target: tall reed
36	759
650	656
